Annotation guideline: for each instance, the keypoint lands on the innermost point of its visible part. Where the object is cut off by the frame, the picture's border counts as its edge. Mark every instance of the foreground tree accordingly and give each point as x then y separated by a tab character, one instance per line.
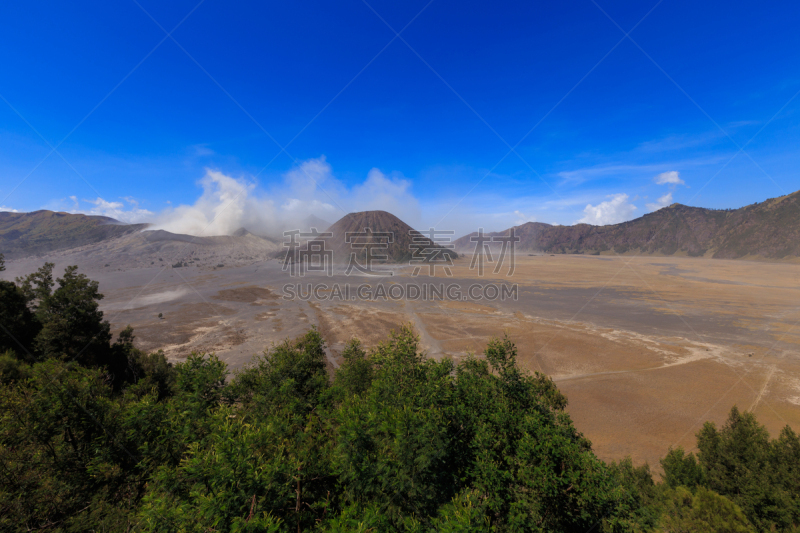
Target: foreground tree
42	318
682	469
760	475
73	328
18	326
396	442
704	511
261	464
73	455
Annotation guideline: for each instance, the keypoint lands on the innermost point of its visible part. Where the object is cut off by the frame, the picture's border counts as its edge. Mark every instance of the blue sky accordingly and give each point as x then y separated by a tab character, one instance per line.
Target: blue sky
319	107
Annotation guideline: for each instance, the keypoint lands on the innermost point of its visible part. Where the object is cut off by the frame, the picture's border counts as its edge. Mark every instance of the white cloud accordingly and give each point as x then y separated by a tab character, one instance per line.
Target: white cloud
669	178
386	193
8	209
294	211
663	201
522	218
132	214
224	207
310	188
680	142
581	175
612	211
295	205
311	176
116	210
313	189
201	150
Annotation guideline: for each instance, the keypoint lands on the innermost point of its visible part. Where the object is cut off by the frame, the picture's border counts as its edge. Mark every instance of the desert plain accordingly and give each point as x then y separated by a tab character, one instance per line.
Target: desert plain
646	349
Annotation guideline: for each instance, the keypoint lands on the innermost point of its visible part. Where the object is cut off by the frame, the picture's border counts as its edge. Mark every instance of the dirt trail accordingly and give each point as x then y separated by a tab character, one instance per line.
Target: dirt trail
763	389
429	344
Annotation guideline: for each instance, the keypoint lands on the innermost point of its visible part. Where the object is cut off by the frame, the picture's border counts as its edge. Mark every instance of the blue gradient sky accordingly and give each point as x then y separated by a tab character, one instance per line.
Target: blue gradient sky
595	117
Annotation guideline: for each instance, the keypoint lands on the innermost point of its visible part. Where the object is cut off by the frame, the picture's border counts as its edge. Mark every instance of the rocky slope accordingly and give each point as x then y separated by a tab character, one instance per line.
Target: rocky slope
162	248
102	242
42	232
406	244
767	230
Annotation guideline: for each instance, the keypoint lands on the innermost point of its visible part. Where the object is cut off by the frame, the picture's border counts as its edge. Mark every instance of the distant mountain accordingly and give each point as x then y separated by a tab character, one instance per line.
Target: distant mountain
379	228
313	221
107	243
378	222
241	232
769	230
42	232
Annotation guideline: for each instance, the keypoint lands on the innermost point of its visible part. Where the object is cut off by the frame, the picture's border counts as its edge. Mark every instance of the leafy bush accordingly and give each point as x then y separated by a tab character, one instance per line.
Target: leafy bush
681	469
702	512
396	442
760	475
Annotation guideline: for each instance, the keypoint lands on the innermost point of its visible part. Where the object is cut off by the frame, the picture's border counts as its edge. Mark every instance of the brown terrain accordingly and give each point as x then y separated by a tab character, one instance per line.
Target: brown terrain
162	248
766	230
39	232
646	348
398	240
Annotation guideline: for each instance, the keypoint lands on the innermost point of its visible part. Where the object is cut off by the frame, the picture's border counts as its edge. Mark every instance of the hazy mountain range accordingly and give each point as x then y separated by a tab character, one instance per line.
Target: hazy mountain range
766	230
42	232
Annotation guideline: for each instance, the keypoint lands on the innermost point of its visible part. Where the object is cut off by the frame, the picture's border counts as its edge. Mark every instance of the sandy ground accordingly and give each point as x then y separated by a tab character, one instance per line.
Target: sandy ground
646	349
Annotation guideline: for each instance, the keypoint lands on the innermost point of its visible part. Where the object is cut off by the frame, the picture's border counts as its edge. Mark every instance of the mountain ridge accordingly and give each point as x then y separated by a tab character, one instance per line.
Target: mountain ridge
768	230
43	231
764	230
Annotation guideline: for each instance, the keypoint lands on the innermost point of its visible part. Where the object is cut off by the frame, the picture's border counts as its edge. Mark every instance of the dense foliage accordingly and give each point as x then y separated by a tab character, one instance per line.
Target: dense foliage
96	435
